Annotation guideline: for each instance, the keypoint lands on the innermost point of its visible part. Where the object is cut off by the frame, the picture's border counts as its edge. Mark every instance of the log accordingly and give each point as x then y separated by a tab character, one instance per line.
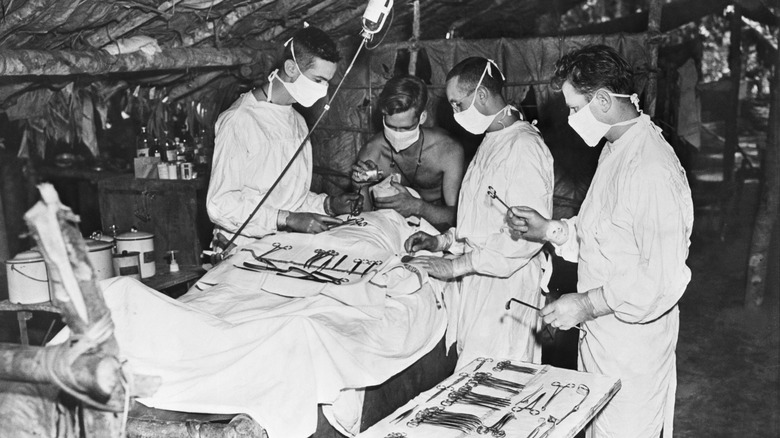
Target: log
67	62
240	426
653	31
735	75
769	206
95	374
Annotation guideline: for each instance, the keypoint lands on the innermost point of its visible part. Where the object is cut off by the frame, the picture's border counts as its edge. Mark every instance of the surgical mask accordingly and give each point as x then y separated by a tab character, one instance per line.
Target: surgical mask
471	119
401	140
304	90
591	130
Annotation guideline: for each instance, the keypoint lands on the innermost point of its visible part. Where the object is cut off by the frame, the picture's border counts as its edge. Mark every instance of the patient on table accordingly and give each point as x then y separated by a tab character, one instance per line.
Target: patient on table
267	333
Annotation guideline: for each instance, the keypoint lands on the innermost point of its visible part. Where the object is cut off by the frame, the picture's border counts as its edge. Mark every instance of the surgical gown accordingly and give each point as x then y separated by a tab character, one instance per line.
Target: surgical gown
254	142
516	162
632	238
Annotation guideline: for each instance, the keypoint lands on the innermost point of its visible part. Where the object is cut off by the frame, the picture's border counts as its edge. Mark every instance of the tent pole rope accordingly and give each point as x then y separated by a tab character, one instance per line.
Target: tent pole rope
297	151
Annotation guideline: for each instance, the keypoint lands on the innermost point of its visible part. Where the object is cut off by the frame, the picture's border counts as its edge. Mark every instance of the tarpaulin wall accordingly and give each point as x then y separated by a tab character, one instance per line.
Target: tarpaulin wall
526	63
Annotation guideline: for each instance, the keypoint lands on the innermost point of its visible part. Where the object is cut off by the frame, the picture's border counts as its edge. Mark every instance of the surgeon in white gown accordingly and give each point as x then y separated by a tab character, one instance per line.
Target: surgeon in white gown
631	240
256	138
514	160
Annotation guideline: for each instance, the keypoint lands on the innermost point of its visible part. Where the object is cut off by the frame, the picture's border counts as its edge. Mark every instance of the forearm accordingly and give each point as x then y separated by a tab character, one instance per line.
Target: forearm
438	215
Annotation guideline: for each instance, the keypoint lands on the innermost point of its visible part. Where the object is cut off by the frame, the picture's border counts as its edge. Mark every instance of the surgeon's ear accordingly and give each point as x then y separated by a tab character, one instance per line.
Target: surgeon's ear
290	69
603	101
423	117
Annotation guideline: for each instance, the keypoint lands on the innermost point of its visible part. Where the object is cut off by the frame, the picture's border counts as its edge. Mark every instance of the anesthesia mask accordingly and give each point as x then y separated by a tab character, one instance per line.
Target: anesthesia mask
304	90
471	119
591	130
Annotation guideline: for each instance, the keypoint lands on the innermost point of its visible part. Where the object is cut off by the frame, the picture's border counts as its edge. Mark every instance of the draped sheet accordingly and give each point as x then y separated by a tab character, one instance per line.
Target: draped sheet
231	346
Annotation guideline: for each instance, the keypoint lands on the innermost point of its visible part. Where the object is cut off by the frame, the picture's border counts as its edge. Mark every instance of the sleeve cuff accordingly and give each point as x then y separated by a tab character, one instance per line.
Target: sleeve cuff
462	265
281	220
599	303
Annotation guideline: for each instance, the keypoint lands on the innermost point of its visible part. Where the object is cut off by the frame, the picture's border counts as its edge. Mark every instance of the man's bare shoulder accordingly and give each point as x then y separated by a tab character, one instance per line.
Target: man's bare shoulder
443	143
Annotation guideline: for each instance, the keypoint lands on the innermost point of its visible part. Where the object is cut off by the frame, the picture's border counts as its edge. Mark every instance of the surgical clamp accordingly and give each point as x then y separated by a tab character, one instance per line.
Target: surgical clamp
530	407
558	389
509	304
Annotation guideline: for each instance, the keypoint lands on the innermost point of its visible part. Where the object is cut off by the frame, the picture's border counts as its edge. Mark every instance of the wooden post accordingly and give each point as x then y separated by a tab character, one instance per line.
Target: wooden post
653	35
415	38
732	105
69	62
769	206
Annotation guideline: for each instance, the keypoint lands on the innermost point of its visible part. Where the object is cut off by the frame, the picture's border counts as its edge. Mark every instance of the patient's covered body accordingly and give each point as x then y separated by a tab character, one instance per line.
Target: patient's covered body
247	341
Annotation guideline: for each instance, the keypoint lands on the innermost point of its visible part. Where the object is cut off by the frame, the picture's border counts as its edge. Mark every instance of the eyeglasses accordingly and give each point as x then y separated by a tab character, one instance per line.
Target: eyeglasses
456	105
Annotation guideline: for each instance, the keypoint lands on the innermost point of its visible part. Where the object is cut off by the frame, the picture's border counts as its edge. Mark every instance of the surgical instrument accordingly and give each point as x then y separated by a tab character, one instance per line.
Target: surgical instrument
509	304
509	366
528	397
583	390
443	388
533	433
492	193
495	429
530	407
344	257
558	389
482	362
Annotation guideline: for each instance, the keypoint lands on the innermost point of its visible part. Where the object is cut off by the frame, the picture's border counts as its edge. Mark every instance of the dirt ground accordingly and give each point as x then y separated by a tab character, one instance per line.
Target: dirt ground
727	357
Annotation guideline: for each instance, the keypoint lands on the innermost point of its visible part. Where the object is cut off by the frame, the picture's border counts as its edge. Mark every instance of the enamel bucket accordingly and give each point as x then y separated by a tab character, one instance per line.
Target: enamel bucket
142	243
99	256
28	279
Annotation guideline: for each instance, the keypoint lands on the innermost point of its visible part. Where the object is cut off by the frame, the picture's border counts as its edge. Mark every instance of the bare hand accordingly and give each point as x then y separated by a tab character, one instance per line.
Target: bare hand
347	203
568	311
421	241
311	223
403	202
436	267
526	223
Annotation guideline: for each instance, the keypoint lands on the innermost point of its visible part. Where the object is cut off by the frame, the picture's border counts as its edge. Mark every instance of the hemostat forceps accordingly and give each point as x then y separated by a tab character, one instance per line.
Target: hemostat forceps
492	193
558	389
509	304
276	246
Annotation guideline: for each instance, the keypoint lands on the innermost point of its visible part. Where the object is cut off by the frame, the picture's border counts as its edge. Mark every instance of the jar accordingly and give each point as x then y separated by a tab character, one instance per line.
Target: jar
28	278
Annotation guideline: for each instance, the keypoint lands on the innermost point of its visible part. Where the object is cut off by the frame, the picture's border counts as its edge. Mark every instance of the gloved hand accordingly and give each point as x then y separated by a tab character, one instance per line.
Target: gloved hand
347	203
422	241
444	268
403	202
526	223
312	223
572	309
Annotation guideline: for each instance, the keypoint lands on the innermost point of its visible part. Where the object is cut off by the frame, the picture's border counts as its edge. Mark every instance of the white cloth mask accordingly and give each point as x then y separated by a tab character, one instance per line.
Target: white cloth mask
401	140
591	130
304	90
471	119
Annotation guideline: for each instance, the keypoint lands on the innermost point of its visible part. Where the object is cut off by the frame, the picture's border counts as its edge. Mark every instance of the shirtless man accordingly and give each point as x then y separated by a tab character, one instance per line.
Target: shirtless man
428	160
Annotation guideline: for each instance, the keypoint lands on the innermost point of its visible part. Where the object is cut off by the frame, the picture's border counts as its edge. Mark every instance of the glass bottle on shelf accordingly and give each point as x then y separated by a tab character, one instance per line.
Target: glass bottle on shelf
170	149
142	144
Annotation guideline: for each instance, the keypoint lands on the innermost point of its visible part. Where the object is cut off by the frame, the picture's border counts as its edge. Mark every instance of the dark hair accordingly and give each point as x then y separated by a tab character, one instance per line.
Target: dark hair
470	70
403	93
591	68
310	43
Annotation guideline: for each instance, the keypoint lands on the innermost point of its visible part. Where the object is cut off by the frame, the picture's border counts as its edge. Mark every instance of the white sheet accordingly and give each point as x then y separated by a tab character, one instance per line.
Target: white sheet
235	347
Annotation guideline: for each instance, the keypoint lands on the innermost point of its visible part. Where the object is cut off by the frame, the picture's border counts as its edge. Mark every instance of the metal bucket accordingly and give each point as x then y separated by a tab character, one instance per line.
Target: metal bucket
28	279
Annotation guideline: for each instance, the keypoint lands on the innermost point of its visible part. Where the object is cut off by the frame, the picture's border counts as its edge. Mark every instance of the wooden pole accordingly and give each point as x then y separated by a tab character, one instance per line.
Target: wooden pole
653	36
769	206
64	62
94	373
732	105
415	38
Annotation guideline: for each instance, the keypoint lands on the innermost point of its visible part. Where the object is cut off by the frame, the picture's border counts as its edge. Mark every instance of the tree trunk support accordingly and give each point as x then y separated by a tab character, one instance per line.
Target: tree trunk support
64	62
769	206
